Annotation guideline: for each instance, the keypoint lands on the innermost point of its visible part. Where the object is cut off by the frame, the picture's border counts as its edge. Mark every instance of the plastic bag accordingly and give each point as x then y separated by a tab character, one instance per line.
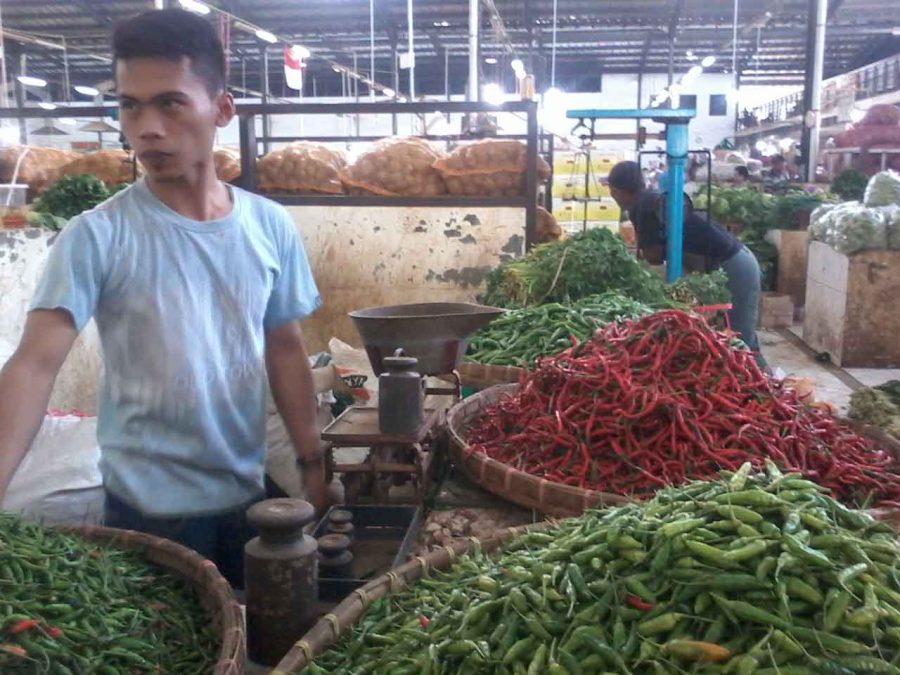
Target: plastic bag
820	221
492	167
883	189
302	167
857	228
110	166
396	166
355	372
59	478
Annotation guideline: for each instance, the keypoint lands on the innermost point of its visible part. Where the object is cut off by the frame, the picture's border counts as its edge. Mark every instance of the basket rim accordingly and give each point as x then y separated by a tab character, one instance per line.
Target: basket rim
202	575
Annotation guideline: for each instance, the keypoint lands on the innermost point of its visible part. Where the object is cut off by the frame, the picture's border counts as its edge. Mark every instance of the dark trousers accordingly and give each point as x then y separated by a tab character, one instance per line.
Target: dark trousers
219	537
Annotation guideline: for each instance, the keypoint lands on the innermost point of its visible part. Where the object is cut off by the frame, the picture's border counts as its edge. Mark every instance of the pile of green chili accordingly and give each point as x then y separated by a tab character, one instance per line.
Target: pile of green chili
520	336
68	605
761	574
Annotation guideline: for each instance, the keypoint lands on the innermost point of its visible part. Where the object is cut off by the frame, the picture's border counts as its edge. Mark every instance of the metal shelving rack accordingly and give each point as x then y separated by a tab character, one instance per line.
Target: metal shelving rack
251	142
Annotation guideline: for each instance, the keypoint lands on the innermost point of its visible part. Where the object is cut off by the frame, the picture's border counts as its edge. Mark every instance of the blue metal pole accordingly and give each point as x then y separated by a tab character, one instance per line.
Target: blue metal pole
676	154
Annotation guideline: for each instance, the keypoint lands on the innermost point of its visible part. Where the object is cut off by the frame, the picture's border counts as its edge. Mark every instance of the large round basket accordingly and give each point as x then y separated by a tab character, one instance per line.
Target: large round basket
215	593
330	627
564	500
511	484
483	375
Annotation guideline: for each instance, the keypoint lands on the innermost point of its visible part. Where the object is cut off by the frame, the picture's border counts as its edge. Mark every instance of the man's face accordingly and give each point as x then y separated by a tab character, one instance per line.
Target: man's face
623	198
168	115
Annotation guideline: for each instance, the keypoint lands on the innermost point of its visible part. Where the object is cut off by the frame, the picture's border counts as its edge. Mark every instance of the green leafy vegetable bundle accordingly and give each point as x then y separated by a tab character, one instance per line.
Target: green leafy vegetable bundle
71	195
585	264
850	185
761	574
700	289
879	406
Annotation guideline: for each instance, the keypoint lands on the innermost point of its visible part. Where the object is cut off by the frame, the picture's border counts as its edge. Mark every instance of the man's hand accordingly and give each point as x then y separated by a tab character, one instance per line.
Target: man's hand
26	382
292	386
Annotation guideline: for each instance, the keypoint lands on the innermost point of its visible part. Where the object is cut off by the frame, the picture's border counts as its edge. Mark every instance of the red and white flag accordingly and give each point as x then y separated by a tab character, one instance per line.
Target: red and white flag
293	66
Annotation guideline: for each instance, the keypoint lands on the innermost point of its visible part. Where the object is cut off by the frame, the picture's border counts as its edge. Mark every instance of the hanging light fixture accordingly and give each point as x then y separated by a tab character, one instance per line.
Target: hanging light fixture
265	36
29	81
87	91
194	6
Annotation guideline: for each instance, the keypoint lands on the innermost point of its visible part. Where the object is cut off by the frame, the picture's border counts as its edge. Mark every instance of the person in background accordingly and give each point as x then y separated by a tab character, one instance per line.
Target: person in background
741	176
196	288
646	210
776	177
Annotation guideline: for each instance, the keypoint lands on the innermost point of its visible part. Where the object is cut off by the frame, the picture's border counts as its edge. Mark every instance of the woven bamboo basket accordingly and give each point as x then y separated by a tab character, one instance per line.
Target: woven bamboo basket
215	594
333	625
516	486
556	499
482	375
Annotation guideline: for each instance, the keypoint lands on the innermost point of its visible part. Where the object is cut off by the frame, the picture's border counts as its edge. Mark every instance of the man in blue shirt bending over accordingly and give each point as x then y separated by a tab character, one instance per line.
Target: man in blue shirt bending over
196	288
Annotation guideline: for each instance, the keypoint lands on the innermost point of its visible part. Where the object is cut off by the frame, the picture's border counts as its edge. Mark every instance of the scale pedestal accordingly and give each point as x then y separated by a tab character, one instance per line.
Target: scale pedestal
393	460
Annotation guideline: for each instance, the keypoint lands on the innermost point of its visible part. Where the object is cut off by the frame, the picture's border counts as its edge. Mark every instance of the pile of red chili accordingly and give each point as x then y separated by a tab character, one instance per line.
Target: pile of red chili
664	398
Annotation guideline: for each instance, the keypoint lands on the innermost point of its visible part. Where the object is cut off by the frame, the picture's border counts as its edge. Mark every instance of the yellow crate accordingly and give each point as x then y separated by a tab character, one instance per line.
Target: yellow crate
605	210
569	164
566	187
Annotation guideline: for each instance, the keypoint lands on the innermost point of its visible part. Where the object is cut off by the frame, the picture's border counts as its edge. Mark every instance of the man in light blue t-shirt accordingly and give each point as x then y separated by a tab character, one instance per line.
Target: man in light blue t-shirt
196	288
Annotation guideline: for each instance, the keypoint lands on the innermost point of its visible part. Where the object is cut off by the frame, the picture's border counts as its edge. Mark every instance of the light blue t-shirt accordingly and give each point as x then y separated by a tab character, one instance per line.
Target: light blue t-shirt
182	307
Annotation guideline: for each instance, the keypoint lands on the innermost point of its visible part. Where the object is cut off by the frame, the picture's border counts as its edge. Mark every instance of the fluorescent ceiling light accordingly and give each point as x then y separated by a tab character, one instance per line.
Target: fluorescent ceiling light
300	51
695	71
387	91
493	94
71	121
708	61
47	106
266	36
490	60
441	24
517	65
87	91
29	81
194	6
690	55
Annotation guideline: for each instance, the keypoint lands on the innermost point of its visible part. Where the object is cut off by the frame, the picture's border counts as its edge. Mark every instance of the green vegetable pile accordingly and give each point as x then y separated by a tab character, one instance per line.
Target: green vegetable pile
585	264
521	336
752	574
850	185
71	606
733	204
701	289
879	406
71	195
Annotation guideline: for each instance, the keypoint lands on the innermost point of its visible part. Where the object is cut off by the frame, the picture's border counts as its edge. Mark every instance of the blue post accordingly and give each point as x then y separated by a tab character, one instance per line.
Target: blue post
676	154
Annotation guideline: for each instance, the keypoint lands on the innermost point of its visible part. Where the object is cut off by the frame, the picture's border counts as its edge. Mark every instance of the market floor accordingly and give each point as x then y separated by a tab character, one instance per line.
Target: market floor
785	350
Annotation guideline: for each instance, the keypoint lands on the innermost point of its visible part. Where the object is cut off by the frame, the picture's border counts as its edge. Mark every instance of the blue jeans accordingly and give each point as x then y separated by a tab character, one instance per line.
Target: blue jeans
744	280
219	537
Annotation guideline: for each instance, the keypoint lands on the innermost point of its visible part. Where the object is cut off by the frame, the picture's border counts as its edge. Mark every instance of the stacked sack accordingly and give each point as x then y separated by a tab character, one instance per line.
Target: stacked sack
880	128
39	167
111	166
396	167
491	168
302	167
228	164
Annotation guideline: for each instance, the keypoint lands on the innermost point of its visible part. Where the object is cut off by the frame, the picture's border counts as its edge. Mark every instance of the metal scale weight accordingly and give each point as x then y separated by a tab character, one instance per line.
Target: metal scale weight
676	133
405	344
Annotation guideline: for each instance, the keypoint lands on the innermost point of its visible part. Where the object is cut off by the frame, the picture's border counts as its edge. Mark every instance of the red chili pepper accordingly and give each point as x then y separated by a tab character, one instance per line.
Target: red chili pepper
22	625
53	631
15	650
424	621
665	398
637	603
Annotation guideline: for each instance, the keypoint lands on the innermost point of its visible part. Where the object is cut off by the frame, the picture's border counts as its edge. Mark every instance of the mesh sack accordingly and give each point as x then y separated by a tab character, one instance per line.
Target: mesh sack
228	164
110	166
302	167
547	227
39	168
492	168
396	167
883	189
857	228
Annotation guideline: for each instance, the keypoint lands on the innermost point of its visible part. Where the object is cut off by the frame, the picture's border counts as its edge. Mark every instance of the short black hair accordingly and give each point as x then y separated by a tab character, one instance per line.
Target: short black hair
174	34
777	158
626	176
742	171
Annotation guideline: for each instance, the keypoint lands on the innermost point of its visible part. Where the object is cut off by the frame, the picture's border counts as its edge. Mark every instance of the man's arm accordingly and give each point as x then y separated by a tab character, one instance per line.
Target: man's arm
291	380
26	382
